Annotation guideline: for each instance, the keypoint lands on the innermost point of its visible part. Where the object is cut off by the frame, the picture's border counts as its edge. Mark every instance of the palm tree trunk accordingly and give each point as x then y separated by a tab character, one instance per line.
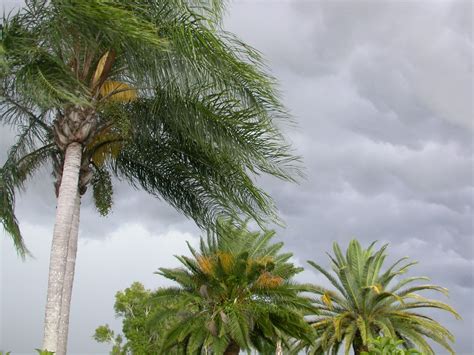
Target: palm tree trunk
66	203
358	345
279	349
69	280
232	349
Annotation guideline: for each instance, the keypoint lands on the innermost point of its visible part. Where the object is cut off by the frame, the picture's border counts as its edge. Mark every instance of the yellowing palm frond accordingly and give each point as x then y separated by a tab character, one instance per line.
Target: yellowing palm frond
226	260
103	147
117	91
376	288
99	69
326	298
267	280
205	264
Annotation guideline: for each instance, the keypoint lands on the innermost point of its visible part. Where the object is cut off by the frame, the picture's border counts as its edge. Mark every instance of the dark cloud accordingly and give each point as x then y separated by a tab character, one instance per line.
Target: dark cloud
382	92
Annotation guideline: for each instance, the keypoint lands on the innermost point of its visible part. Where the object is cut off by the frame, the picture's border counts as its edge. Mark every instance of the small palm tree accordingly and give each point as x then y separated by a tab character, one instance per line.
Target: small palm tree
368	302
235	293
151	91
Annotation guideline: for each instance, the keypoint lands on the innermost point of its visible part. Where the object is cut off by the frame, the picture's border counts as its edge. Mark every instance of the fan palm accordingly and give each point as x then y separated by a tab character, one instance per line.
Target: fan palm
234	293
368	302
151	91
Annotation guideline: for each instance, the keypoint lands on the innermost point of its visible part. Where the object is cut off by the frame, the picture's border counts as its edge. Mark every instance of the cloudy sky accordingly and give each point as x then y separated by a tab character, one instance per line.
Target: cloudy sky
382	93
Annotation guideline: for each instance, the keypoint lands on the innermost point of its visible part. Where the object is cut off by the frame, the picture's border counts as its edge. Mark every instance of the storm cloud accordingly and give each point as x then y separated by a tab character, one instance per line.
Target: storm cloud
382	95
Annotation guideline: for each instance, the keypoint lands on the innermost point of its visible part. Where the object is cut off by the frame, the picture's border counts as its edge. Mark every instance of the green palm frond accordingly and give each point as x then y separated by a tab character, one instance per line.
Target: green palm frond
24	158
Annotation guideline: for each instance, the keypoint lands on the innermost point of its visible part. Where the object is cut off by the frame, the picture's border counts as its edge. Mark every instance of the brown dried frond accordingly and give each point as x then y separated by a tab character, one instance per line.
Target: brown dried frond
226	260
267	280
205	264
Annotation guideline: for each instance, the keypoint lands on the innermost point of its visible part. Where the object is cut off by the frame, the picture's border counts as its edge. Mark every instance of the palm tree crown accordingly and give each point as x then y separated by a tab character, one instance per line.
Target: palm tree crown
235	293
368	302
156	93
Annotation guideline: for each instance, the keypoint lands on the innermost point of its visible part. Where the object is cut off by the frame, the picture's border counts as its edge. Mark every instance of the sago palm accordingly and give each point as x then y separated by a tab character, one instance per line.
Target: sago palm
235	293
368	302
151	91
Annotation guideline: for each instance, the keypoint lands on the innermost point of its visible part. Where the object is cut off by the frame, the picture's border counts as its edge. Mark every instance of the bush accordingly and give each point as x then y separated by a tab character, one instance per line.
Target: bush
388	346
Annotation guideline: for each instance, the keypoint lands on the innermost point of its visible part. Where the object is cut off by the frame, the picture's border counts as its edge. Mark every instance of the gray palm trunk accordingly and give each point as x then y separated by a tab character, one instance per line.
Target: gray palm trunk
69	280
232	349
358	345
65	211
279	348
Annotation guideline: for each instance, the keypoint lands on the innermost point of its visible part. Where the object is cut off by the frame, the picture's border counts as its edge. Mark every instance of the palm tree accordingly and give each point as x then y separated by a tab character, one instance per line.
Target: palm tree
368	303
151	91
235	293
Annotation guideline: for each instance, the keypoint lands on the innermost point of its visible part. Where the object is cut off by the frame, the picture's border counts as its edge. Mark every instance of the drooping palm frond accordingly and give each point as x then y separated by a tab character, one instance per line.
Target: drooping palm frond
204	160
236	289
23	159
364	305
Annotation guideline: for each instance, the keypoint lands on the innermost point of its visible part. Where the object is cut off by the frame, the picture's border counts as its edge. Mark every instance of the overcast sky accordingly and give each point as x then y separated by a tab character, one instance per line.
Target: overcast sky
382	93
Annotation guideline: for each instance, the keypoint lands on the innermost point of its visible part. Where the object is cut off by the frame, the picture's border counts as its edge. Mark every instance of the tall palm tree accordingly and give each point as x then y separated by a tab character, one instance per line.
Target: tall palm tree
368	302
235	293
151	91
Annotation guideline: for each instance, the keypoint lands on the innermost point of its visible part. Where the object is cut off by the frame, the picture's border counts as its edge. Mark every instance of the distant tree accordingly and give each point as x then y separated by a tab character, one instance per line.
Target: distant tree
154	92
235	293
103	334
133	306
368	302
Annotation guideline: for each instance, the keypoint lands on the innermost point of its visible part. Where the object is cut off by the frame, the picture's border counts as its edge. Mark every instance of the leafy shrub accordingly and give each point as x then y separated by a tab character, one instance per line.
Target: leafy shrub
388	346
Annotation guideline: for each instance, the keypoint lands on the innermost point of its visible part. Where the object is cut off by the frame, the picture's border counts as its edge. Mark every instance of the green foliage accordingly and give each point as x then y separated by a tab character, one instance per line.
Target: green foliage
44	352
134	306
199	123
367	302
388	346
237	289
103	334
102	191
3	62
23	160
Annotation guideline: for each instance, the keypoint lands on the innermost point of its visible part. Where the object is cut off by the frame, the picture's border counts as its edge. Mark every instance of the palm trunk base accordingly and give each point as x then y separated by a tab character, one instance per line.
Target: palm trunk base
232	349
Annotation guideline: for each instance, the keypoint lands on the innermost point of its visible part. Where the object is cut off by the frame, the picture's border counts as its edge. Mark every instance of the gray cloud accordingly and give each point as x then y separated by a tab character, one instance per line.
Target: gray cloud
382	92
